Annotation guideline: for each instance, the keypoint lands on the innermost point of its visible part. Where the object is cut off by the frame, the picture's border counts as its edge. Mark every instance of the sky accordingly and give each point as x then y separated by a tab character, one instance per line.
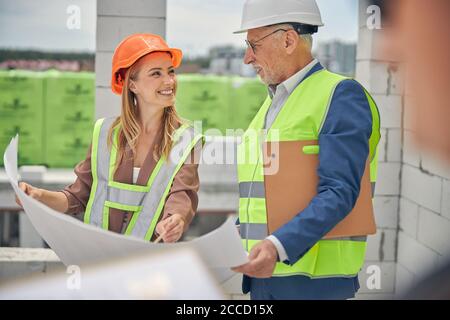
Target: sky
41	24
193	25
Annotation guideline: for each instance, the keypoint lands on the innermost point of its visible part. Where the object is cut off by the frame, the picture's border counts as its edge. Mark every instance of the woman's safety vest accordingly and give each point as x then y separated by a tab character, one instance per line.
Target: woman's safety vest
145	202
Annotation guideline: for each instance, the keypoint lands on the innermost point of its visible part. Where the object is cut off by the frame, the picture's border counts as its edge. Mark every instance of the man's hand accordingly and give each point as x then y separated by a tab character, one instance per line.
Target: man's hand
263	258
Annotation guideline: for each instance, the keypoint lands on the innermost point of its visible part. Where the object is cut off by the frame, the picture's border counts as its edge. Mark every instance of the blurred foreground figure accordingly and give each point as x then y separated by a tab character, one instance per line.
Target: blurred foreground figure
417	34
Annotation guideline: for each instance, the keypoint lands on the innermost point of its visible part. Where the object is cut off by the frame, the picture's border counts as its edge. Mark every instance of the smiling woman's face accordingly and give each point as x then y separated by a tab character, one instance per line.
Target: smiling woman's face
155	81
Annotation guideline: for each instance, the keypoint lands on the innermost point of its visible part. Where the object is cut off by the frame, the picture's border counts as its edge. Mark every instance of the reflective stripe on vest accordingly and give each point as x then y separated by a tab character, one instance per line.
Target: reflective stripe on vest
146	202
258	231
256	189
337	257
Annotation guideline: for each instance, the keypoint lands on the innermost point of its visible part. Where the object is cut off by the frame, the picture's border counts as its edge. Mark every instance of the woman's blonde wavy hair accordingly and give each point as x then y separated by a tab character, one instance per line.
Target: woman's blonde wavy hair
129	128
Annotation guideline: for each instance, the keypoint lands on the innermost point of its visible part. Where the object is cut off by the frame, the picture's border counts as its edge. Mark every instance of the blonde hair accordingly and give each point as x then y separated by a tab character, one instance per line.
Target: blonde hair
128	123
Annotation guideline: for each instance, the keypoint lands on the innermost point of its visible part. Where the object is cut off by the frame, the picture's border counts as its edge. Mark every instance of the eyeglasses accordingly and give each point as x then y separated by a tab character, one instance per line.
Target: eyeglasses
253	46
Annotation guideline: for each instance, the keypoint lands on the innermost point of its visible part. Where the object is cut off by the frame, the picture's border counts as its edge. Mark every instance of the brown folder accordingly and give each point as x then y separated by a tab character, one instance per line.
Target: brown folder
290	189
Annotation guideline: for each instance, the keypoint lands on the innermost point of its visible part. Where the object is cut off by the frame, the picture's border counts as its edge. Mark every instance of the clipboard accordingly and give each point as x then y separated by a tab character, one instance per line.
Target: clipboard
291	187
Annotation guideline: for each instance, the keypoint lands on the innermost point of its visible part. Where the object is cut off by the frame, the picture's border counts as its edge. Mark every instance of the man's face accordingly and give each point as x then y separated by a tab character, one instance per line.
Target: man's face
266	55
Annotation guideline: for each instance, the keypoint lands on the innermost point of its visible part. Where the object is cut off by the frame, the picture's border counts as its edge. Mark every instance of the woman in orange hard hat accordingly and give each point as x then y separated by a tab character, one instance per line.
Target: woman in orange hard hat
140	175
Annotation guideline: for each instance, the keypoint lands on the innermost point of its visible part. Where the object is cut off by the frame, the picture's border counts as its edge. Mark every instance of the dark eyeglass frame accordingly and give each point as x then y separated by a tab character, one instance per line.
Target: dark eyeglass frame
252	45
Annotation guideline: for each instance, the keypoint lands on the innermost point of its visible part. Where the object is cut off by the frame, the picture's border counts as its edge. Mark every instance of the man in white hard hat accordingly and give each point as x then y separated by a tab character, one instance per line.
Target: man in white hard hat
305	102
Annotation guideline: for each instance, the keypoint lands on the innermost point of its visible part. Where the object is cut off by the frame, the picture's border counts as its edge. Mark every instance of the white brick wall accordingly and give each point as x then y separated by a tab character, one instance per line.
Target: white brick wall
390	110
433	231
382	154
410	154
388	180
422	188
367	47
378	78
415	256
107	103
103	69
381	246
434	166
386	211
383	84
139	8
112	30
389	150
409	217
394	141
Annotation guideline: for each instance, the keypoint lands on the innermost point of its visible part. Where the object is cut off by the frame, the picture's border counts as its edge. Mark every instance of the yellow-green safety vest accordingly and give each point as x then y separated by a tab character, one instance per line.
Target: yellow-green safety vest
145	202
300	119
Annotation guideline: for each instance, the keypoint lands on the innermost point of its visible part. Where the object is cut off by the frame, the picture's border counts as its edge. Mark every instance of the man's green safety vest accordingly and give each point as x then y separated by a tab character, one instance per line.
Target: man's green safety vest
145	202
300	119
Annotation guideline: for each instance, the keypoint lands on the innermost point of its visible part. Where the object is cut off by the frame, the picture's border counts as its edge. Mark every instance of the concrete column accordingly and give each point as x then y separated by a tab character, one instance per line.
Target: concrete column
382	81
117	19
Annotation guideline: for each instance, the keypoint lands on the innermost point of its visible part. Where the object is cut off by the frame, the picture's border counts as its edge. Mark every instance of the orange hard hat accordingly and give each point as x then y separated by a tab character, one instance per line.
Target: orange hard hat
134	47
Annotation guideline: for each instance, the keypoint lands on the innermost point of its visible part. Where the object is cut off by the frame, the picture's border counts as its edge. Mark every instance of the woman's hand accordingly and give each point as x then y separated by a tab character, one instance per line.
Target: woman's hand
53	199
171	228
33	192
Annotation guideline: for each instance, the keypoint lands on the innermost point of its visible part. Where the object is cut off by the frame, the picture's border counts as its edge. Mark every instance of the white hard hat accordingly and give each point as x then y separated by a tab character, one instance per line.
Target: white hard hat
261	13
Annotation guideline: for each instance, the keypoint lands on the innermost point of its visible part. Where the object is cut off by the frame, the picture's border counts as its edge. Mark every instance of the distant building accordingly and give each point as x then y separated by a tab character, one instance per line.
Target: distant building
337	56
229	60
189	68
42	65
